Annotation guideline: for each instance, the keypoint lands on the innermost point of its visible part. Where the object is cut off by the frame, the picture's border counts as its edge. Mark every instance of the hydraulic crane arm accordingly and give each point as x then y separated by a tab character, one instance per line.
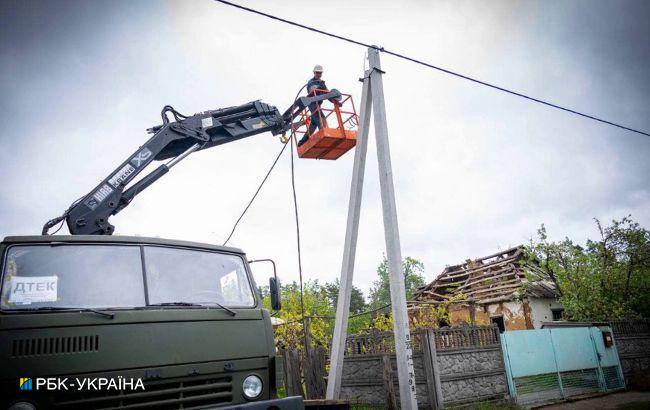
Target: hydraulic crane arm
173	140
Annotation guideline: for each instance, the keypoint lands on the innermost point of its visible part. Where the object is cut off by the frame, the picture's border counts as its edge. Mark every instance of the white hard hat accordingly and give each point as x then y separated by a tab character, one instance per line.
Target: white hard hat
318	68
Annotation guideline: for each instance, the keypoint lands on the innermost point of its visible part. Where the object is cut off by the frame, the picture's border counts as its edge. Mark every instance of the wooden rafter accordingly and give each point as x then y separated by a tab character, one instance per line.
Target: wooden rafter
492	278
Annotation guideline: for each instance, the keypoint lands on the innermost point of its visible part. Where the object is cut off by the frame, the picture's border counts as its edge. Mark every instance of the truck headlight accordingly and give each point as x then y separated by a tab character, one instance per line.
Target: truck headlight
252	386
23	405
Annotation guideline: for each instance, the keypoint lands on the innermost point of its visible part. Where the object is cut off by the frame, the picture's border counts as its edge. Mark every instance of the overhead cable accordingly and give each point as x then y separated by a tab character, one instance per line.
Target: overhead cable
432	66
259	188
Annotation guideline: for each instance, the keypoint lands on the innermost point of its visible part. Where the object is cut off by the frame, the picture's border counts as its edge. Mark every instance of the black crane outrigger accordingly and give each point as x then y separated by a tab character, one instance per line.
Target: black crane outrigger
176	140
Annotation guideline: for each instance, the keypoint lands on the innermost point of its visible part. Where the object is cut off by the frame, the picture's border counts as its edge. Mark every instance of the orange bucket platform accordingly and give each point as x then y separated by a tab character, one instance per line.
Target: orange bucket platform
328	143
338	134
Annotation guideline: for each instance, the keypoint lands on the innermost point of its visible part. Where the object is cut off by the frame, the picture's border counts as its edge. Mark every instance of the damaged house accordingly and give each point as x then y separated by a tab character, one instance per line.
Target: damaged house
496	289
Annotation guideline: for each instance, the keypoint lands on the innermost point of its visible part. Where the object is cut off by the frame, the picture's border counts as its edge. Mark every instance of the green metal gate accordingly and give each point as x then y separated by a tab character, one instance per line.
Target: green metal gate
552	364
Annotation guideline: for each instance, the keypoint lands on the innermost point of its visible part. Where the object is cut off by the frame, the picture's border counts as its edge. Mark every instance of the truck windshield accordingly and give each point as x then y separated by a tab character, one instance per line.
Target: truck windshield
84	276
180	275
111	276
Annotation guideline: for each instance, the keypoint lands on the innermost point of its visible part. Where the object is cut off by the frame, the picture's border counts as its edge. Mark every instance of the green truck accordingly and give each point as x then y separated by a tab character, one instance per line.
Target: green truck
96	321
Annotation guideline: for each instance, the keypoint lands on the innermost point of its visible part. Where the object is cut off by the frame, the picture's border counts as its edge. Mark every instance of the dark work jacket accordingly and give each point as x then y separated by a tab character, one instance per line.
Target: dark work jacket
315	84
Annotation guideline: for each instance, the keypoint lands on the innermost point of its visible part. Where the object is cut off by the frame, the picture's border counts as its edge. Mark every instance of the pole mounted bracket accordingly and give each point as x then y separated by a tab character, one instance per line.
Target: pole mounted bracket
371	70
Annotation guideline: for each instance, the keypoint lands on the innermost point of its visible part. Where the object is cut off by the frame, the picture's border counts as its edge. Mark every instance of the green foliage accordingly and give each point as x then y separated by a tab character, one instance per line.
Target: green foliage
290	334
490	405
429	316
357	301
413	279
604	279
320	306
383	323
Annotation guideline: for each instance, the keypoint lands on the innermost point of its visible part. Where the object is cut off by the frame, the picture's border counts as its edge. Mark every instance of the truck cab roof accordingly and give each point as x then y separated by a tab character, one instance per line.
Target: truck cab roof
9	240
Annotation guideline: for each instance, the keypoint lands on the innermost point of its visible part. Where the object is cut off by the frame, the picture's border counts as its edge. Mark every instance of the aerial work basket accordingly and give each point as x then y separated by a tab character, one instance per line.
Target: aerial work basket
337	133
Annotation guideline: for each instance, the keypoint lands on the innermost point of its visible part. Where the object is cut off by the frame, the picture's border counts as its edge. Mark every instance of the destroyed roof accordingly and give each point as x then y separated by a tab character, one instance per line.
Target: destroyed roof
493	278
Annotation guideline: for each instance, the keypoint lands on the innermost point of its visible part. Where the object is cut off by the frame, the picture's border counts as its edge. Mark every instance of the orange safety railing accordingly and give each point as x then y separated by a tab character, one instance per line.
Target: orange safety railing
337	133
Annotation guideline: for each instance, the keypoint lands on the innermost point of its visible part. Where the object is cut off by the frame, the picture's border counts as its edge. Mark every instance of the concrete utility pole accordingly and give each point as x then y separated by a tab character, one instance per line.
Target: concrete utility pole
373	98
350	246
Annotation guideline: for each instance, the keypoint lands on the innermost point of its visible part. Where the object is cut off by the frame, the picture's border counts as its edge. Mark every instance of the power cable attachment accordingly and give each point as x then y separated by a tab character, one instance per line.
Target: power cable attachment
58	220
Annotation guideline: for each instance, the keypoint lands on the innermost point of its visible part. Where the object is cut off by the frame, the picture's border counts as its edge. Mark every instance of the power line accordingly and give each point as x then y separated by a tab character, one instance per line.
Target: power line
265	177
255	194
432	66
366	312
295	207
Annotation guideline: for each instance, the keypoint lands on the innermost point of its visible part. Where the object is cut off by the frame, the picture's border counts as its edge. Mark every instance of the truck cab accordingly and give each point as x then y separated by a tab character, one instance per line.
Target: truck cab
97	322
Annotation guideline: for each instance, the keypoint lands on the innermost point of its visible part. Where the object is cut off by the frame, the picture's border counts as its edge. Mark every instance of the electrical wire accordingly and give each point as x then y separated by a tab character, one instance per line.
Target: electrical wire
265	177
334	317
435	67
357	314
59	228
295	207
177	115
259	188
59	219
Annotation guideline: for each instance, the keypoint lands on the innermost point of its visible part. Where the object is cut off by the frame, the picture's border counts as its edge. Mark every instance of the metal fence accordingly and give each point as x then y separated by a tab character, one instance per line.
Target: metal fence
377	342
633	345
452	366
466	336
551	364
626	327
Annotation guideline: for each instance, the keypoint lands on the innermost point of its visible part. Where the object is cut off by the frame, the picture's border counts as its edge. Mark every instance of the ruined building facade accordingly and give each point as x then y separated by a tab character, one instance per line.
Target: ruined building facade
492	289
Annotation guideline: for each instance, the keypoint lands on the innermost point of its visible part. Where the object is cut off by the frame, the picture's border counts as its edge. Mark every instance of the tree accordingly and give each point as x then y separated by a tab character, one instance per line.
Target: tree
320	303
357	301
290	334
604	279
429	316
624	256
413	279
358	320
320	306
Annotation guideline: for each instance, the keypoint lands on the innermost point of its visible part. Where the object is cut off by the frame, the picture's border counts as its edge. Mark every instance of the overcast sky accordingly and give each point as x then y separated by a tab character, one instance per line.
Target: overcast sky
476	171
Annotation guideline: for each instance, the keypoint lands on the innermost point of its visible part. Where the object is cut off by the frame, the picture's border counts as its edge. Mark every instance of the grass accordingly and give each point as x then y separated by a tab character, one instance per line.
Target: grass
490	405
536	383
483	405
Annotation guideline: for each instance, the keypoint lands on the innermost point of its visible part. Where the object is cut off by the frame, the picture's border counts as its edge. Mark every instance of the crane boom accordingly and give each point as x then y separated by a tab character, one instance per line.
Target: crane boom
174	140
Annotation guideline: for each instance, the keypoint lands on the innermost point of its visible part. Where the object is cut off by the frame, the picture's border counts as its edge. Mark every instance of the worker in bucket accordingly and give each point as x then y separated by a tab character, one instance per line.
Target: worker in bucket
315	86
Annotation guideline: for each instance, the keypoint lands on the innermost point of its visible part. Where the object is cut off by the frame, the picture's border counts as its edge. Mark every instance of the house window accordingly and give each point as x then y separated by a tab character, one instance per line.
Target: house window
557	314
499	322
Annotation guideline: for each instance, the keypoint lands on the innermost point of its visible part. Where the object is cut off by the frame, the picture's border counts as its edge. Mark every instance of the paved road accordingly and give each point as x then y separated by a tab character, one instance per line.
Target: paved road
632	400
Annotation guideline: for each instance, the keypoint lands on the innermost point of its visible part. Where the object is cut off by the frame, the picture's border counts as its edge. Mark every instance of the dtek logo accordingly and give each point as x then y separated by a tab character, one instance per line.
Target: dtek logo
25	383
141	157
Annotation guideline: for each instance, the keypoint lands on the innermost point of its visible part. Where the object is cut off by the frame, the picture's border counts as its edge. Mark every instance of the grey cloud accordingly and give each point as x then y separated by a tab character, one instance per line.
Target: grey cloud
475	170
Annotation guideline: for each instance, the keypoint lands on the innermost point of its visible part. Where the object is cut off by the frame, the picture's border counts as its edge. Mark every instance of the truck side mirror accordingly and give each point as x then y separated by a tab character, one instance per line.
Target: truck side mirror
274	285
274	289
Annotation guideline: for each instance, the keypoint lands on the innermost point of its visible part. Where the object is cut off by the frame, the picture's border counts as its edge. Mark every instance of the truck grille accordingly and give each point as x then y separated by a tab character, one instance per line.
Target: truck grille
54	345
181	393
